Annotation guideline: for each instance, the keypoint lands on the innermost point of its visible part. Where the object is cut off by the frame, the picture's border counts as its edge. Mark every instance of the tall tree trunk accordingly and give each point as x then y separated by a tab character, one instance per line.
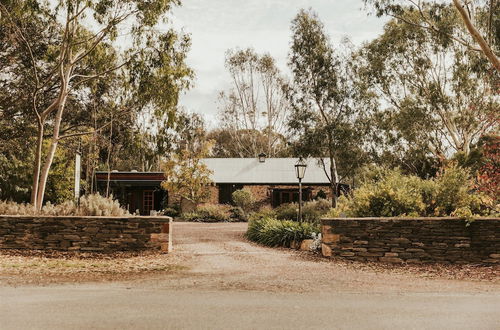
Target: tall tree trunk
334	179
65	73
38	161
52	150
333	170
108	160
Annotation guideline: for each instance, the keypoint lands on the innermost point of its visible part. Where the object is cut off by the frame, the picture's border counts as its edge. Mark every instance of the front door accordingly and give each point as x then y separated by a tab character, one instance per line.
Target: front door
148	201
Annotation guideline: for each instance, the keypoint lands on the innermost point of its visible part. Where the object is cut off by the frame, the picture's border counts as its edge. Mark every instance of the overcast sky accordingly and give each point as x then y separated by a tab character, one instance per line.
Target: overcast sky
218	25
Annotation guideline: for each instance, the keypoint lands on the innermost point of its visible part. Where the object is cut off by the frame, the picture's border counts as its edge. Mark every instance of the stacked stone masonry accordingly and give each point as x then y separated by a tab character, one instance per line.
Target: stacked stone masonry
85	234
412	240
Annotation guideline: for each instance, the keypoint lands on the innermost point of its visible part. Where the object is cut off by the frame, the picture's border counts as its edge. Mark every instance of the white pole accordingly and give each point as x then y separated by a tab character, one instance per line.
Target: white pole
77	176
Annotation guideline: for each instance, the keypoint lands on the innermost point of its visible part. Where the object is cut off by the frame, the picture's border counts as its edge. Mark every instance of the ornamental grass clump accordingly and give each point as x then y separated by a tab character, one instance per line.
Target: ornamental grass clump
273	232
97	205
90	205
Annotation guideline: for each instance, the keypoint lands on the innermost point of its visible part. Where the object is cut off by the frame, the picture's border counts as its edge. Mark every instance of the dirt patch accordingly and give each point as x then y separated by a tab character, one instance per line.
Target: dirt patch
46	267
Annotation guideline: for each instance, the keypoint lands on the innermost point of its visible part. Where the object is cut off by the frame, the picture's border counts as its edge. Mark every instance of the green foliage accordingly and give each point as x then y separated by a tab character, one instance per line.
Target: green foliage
209	213
243	198
287	211
172	211
238	214
436	108
273	232
90	205
187	176
110	90
326	113
312	211
395	194
451	191
16	175
389	193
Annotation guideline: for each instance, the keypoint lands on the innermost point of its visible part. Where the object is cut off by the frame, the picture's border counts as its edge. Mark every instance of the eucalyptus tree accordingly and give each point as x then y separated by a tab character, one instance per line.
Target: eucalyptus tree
255	104
480	22
437	96
81	50
323	96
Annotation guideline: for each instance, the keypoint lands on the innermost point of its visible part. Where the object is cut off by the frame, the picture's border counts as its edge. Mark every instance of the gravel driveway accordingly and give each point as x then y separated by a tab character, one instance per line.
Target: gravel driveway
228	282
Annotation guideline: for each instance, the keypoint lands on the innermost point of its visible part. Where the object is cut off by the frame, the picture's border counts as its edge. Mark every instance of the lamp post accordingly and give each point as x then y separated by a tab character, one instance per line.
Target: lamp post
300	170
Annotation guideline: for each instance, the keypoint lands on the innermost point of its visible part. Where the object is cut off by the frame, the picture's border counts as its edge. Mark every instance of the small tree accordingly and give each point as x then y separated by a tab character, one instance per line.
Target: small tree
187	176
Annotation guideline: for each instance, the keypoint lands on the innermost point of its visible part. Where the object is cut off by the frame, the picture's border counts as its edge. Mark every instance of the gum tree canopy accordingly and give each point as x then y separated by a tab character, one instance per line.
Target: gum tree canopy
479	31
59	52
439	94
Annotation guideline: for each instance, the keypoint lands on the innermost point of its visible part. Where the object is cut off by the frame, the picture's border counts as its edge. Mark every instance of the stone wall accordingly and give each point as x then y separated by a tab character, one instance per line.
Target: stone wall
412	240
86	234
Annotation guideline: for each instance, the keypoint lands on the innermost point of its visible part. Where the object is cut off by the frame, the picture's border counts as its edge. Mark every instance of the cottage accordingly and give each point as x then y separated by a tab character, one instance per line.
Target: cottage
271	180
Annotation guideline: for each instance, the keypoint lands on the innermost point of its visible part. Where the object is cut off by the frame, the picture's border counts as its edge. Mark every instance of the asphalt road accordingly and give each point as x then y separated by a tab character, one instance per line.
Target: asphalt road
233	284
119	307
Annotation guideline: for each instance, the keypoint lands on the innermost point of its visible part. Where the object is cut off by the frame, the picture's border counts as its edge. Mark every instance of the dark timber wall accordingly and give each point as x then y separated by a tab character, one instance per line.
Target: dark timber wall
91	234
412	240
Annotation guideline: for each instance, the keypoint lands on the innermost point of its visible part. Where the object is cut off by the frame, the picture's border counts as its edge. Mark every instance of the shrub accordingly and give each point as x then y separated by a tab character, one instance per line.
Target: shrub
314	210
244	199
320	194
172	211
287	211
450	191
209	213
273	232
237	214
264	211
311	211
394	194
90	205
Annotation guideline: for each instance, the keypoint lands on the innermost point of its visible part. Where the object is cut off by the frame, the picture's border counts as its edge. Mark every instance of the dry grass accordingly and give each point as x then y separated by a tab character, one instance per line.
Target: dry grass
44	267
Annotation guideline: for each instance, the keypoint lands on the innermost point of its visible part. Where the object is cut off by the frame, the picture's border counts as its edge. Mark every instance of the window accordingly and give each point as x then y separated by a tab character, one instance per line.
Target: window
282	196
147	201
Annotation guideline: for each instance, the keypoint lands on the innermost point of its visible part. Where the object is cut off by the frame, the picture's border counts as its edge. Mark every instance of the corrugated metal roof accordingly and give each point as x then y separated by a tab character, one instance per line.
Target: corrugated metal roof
272	171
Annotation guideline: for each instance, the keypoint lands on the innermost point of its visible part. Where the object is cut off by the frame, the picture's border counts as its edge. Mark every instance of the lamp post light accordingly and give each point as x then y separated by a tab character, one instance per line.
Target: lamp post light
262	157
300	171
